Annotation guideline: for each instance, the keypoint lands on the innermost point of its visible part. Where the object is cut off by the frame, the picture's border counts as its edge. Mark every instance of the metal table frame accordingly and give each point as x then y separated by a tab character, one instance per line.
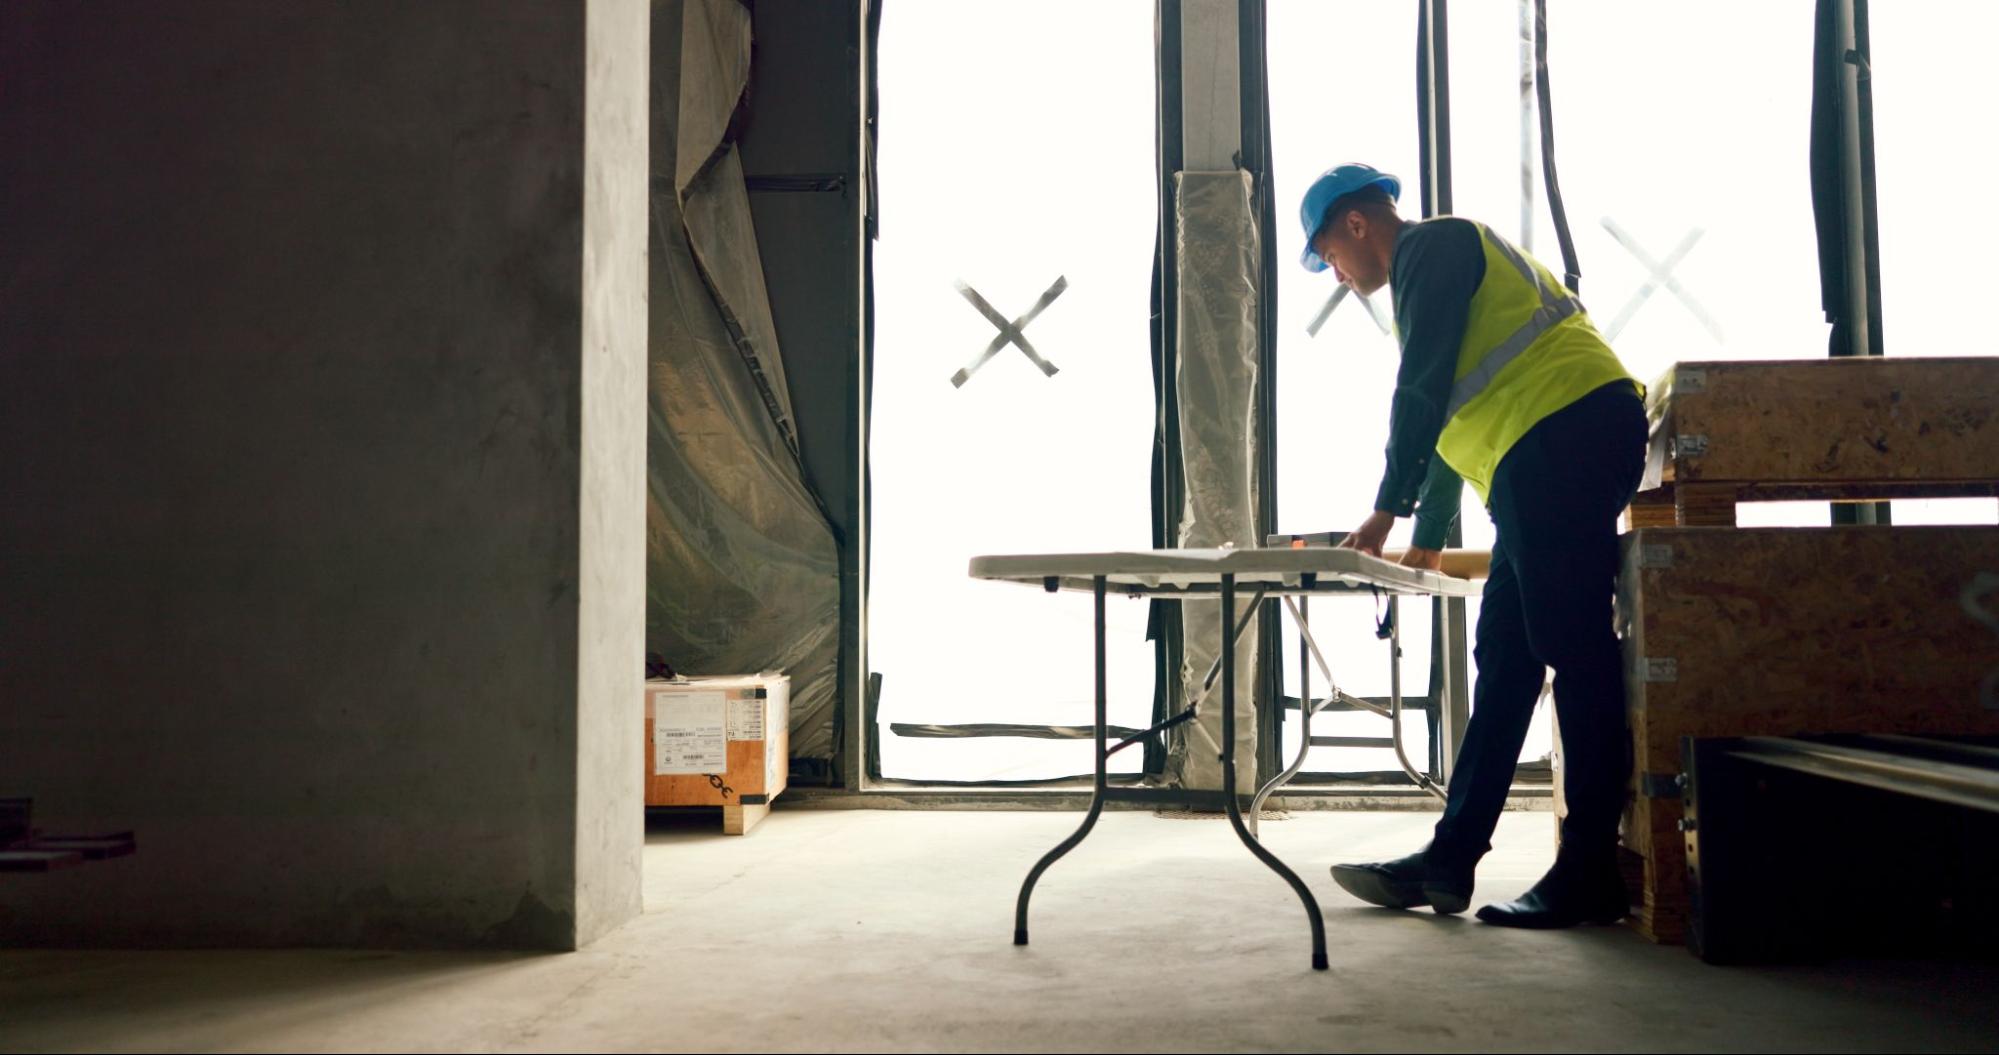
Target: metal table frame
1292	574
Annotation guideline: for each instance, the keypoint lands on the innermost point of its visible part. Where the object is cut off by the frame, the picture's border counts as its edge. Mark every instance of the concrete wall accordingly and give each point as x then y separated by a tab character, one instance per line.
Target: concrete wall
610	790
321	383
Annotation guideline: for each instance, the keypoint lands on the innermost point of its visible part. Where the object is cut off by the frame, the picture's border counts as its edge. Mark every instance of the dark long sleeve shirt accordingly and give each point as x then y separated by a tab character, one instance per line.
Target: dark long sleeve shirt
1437	266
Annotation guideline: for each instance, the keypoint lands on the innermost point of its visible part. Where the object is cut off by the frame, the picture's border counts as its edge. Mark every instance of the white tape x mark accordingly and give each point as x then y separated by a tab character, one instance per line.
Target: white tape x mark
1340	294
1009	332
1661	275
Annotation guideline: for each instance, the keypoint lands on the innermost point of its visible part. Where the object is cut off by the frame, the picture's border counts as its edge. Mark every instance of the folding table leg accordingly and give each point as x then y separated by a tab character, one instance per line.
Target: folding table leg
1097	795
1298	609
1229	785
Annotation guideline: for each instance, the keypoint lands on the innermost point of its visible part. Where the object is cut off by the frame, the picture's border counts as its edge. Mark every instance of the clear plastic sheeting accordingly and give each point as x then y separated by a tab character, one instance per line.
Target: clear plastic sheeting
742	573
714	69
1216	233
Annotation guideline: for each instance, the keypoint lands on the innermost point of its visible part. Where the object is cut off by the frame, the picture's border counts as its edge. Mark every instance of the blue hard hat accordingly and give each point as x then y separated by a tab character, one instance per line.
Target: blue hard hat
1333	184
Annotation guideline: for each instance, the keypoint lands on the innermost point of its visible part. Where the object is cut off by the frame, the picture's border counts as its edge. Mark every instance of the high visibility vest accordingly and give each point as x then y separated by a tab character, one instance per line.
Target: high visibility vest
1529	350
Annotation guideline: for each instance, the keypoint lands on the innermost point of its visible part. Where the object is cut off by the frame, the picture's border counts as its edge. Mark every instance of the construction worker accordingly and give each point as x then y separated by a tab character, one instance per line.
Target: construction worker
1505	385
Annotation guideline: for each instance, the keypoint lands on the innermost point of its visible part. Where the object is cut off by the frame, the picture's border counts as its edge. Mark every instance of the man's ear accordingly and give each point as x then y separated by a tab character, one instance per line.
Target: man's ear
1356	223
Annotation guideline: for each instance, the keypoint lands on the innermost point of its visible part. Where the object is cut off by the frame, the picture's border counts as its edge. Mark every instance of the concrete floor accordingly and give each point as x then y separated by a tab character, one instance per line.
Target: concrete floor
871	931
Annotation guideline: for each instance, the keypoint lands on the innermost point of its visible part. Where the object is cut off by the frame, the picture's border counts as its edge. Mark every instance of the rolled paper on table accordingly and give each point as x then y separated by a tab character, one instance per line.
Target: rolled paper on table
1458	563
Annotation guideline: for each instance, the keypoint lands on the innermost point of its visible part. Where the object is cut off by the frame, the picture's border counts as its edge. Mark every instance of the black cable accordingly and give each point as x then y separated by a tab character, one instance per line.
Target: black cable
1574	277
1146	736
1433	106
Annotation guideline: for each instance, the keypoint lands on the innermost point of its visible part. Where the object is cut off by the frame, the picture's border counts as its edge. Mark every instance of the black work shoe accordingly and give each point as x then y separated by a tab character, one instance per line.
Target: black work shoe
1571	893
1407	882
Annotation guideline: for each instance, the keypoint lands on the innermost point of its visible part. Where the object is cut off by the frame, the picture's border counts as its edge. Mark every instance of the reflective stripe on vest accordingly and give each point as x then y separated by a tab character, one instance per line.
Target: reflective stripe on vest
1555	306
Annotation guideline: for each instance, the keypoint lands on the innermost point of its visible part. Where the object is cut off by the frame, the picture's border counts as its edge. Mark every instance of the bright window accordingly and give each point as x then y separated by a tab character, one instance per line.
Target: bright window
1015	148
1929	64
1684	155
1342	88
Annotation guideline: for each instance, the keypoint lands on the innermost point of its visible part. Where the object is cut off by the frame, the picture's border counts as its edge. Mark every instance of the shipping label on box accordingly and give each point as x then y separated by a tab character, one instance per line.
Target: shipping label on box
690	732
746	718
712	739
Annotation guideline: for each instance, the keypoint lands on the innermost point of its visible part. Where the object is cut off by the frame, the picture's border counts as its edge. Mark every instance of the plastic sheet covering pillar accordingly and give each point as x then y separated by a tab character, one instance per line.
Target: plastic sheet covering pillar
1217	241
742	574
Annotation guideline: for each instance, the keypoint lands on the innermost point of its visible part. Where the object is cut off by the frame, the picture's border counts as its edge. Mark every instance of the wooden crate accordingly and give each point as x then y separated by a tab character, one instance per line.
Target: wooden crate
1859	429
719	742
1783	631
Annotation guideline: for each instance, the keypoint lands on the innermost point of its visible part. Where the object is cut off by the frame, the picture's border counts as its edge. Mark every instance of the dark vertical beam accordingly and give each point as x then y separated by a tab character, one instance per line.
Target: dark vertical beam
1433	105
1855	105
1163	626
1257	156
1433	117
858	754
1848	52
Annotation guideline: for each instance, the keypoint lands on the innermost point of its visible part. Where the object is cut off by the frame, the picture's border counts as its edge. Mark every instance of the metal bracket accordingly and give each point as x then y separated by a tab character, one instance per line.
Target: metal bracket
1661	785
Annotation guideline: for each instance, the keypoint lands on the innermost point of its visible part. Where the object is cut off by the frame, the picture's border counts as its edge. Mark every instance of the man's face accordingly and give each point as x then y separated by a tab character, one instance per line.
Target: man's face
1349	246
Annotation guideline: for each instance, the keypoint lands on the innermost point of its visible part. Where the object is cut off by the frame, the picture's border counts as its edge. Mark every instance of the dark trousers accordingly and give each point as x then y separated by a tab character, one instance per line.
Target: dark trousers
1555	500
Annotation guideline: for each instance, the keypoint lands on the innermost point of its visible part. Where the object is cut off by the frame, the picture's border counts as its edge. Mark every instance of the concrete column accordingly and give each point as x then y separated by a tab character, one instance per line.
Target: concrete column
322	339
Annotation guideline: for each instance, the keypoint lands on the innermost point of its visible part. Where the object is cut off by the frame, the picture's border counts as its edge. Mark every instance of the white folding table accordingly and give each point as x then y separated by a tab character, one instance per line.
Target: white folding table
1200	574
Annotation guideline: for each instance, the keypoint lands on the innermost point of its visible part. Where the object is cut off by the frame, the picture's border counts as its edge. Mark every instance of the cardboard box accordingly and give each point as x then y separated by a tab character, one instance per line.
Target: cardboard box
720	741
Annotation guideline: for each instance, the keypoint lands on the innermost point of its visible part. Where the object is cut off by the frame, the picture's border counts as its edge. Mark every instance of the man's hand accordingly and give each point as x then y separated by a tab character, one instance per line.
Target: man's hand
1426	559
1372	532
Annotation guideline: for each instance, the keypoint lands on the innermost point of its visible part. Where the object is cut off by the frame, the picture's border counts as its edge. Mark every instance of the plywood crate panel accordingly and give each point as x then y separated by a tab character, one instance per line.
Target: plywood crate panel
1786	631
1840	429
1852	419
